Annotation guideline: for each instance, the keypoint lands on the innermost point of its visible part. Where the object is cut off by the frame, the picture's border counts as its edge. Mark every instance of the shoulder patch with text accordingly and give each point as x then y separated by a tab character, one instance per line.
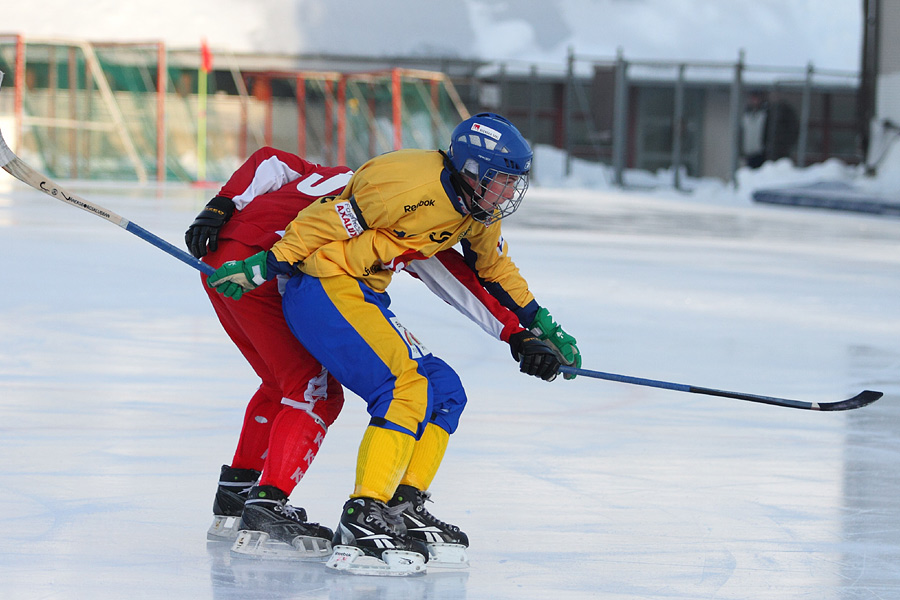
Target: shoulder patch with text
349	219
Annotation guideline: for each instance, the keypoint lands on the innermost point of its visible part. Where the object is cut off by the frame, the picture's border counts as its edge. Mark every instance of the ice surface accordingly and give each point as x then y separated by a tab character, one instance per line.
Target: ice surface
120	397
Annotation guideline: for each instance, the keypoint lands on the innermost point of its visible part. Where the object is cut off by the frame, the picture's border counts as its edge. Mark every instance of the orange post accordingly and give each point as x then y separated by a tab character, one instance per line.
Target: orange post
329	121
397	107
342	120
270	112
301	115
242	134
19	91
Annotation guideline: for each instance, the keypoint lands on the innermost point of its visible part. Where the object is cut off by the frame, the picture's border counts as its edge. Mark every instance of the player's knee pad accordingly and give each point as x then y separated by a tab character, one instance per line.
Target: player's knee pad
329	408
449	396
322	398
308	408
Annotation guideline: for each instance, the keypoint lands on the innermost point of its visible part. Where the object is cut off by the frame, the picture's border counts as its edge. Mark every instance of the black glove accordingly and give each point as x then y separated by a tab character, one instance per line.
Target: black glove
205	228
535	356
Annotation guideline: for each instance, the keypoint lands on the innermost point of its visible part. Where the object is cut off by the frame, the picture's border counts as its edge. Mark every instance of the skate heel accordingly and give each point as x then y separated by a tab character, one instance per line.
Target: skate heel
446	543
223	528
448	556
231	494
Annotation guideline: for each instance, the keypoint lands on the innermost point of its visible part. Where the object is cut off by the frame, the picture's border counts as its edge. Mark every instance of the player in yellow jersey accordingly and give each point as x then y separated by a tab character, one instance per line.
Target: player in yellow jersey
342	251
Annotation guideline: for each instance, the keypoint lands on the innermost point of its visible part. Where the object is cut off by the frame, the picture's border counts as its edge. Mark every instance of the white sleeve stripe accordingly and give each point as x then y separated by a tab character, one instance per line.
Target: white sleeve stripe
270	175
441	281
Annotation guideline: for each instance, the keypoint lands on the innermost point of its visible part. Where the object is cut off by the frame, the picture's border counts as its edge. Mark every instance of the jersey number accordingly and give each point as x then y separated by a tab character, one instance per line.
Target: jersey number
313	184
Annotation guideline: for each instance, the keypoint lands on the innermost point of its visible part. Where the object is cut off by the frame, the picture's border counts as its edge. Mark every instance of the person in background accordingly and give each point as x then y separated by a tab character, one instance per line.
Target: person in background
754	125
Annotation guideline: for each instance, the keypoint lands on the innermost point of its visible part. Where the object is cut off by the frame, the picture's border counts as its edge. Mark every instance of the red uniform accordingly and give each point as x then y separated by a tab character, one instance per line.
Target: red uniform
268	191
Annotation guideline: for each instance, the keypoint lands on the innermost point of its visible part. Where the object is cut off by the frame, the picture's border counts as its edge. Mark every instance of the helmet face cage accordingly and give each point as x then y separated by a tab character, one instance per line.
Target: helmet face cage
491	153
497	195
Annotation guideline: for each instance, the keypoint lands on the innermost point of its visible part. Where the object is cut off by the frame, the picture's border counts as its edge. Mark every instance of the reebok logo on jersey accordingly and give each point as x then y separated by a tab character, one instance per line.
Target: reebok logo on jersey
493	133
420	203
348	218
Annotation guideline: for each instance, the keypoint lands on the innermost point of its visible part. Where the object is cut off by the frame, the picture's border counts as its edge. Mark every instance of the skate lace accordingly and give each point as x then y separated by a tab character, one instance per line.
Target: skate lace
387	517
424	497
291	512
393	516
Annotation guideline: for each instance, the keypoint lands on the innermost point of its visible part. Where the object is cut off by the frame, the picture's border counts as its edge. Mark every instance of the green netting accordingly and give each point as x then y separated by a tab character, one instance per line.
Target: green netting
368	121
73	128
69	124
425	124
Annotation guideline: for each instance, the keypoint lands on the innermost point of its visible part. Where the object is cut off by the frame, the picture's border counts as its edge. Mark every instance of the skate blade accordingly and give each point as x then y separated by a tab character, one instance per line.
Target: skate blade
396	563
448	556
257	544
223	529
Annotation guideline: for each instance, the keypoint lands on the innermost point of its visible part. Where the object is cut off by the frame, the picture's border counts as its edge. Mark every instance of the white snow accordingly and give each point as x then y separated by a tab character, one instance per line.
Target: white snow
772	32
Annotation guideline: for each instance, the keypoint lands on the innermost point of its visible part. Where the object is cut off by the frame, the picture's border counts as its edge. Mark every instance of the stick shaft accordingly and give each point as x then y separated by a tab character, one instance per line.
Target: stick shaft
861	399
169	248
16	167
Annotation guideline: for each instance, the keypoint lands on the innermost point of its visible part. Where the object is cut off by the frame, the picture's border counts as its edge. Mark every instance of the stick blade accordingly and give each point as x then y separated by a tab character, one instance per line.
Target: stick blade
863	398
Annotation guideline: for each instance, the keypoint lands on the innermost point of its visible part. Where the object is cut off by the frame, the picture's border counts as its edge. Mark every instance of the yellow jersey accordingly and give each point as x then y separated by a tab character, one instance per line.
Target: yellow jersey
399	207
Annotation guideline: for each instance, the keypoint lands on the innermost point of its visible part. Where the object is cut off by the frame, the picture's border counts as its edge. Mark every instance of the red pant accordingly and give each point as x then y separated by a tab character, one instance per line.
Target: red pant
291	379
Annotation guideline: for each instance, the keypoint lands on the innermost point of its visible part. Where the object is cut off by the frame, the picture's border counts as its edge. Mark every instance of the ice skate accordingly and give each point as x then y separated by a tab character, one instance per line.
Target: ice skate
271	528
234	485
369	541
446	543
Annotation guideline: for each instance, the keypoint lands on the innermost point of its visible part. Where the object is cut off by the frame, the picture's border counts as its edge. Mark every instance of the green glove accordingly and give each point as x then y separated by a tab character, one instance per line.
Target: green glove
545	328
235	277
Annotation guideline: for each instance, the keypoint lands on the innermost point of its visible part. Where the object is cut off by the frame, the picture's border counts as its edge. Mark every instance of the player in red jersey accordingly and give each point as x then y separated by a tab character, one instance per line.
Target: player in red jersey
288	416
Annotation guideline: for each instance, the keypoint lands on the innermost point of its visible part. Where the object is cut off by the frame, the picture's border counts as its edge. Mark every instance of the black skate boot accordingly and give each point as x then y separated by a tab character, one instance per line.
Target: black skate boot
271	528
234	484
369	541
446	543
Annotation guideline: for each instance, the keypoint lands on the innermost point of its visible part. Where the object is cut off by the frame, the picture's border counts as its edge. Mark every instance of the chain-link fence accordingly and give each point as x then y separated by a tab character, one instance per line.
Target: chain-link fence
684	117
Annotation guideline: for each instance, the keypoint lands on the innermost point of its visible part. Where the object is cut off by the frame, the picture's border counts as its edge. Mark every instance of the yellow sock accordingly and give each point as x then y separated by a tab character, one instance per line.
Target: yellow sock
426	457
383	458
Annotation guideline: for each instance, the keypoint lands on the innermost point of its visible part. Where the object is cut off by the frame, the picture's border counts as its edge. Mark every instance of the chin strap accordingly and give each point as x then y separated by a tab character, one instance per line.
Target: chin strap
462	187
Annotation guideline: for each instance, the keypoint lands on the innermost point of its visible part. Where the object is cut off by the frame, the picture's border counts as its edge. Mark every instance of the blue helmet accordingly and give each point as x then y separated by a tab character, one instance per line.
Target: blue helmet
494	161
